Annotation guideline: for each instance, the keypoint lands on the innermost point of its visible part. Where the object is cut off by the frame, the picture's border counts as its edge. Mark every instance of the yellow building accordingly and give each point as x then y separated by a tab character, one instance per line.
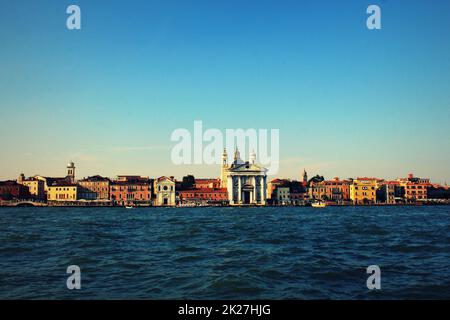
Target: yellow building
62	192
35	186
364	190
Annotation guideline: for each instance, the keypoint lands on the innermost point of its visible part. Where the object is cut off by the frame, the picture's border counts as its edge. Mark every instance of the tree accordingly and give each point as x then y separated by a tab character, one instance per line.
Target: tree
316	179
188	182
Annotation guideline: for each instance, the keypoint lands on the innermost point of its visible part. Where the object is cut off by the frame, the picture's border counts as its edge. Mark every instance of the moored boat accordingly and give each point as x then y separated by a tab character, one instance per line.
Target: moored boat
318	204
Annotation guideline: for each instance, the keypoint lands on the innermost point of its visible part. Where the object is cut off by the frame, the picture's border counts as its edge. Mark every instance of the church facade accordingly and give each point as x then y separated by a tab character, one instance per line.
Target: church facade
165	191
246	182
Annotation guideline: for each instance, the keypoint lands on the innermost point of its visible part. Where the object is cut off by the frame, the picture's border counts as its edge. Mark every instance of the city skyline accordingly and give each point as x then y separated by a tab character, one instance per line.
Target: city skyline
354	103
241	183
217	176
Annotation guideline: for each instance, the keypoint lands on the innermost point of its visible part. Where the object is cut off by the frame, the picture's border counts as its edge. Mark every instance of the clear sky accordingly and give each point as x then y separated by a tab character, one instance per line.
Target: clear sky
348	101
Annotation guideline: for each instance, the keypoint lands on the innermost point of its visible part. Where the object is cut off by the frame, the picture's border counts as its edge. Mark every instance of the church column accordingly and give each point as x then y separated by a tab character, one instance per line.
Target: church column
239	190
263	190
254	189
230	189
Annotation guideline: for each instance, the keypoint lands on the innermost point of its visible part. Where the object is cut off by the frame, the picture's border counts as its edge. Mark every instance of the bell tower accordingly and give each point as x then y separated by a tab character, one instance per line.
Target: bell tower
224	169
71	172
21	178
305	177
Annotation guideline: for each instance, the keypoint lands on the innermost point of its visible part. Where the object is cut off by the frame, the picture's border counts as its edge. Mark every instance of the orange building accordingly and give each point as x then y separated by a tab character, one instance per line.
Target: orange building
207	183
331	190
96	186
415	188
205	195
131	190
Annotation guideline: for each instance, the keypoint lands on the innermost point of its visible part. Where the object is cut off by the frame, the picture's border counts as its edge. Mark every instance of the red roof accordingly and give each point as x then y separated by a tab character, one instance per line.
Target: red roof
207	180
63	184
205	190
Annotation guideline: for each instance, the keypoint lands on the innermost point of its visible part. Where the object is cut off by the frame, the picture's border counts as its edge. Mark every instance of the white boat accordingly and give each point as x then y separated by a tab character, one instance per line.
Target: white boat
129	207
187	205
318	204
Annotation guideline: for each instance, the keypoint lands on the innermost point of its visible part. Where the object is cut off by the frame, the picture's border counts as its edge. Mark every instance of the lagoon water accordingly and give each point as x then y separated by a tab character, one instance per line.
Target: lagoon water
225	253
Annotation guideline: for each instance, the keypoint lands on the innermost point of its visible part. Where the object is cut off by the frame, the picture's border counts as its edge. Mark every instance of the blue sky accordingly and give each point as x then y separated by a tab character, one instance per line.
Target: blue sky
348	101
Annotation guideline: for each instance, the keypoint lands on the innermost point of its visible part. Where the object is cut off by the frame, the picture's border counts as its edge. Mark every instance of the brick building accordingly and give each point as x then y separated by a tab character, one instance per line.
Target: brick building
207	183
203	196
131	190
415	188
331	190
94	188
10	190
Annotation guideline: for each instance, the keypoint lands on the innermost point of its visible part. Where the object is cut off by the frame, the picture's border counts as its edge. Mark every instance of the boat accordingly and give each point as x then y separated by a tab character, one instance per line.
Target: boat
129	207
187	205
318	204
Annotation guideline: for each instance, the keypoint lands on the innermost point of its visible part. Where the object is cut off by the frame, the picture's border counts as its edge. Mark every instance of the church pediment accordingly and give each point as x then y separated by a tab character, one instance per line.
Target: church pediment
247	167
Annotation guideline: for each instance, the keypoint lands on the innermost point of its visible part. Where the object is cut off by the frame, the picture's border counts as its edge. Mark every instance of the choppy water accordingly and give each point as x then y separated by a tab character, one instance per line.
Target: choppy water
225	253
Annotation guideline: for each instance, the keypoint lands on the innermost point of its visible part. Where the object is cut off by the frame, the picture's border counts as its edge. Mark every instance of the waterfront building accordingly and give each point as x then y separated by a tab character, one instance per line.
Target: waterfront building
390	192
282	195
10	190
86	194
131	190
204	196
298	197
165	191
363	190
62	191
127	178
35	186
50	181
246	181
273	185
415	188
94	188
330	190
207	183
291	192
305	177
298	192
438	192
